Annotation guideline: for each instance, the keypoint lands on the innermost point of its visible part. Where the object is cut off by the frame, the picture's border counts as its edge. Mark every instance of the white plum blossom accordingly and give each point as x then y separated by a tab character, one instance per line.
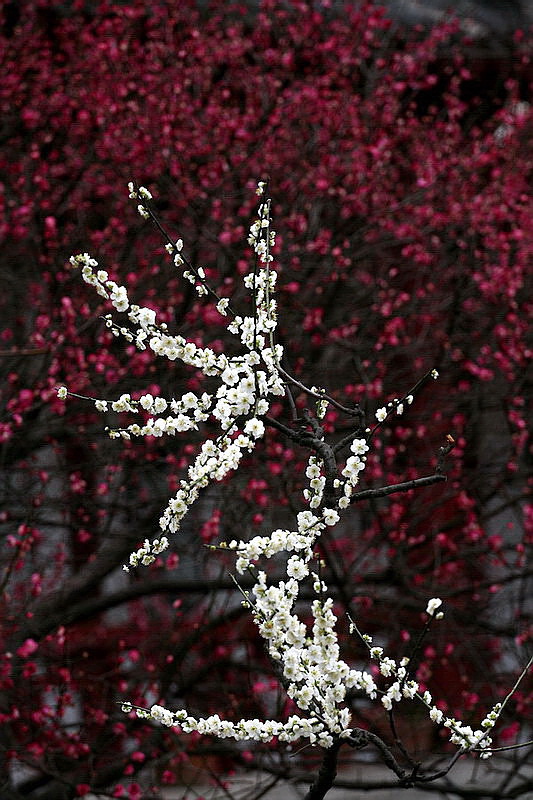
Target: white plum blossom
296	568
432	606
313	470
162	715
146	554
331	517
359	447
387	666
222	306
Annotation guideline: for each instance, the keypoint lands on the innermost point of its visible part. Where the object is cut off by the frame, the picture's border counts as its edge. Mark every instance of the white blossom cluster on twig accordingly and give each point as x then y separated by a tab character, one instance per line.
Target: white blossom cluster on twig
307	655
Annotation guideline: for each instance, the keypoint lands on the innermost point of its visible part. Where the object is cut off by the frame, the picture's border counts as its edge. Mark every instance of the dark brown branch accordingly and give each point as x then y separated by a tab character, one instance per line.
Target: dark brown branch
326	775
415	766
385	752
29	351
91	605
279	426
406	486
313	440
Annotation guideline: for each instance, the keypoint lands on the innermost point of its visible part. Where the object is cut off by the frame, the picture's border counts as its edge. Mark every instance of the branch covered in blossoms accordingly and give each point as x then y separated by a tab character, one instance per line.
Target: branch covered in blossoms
304	647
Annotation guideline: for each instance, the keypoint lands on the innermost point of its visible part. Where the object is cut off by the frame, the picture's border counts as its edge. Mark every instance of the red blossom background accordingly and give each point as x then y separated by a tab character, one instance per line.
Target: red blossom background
398	163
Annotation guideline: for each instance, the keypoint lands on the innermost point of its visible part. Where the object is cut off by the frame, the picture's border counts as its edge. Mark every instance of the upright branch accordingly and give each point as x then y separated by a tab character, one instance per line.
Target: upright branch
326	774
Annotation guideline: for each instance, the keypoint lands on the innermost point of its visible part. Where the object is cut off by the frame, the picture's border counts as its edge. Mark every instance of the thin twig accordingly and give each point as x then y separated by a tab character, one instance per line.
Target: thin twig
353	412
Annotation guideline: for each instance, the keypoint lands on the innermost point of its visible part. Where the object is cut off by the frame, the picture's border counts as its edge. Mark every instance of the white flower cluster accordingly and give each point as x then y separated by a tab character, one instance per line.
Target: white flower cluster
467	739
247	380
315	676
214	462
403	688
317	481
433	605
141	194
199	287
245	730
355	464
105	287
321	405
261	238
396	405
146	554
464	736
300	541
196	278
308	655
189	411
